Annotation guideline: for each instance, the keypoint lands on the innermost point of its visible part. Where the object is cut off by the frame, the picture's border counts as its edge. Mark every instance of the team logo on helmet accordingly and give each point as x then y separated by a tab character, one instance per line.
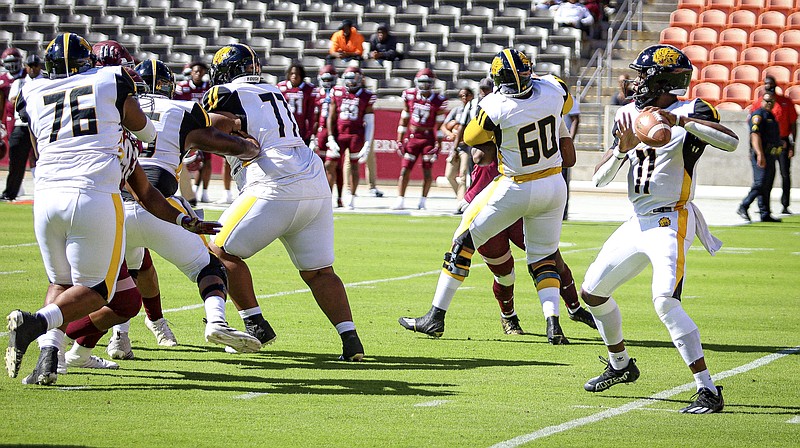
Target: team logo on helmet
221	55
664	222
666	56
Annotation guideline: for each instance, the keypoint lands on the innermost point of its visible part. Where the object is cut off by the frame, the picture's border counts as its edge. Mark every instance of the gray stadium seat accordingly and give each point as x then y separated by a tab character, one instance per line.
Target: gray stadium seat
254	10
125	8
422	50
533	35
5	6
108	24
29	41
456	51
15	22
286	11
276	65
531	51
446	69
271	28
513	17
46	23
173	26
407	68
542	18
303	29
145	55
261	45
157	43
130	41
141	25
92	8
413	14
367	29
6	38
545	68
76	23
486	52
320	48
382	13
475	70
393	86
219	9
289	46
93	37
500	34
239	28
404	32
62	8
155	8
446	15
312	64
220	42
177	60
206	27
350	11
189	9
30	7
467	33
479	15
316	11
375	69
435	33
191	44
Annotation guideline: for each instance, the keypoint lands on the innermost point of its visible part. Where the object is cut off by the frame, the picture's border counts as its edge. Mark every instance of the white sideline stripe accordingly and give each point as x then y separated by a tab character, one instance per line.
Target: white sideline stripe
249	395
12	272
431	403
68	388
584	406
11	246
795	419
550	430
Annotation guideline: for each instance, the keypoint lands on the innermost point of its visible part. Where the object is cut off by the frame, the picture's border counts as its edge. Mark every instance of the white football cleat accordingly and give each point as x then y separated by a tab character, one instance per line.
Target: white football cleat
162	332
74	360
119	347
221	333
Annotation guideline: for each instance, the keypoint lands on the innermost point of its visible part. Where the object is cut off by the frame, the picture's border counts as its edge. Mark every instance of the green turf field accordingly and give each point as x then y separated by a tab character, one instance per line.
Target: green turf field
474	387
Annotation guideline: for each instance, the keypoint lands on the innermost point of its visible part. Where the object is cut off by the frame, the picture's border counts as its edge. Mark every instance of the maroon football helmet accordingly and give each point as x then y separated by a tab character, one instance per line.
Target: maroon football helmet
111	52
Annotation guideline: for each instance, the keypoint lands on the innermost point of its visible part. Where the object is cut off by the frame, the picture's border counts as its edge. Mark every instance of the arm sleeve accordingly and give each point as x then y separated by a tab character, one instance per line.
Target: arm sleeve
479	130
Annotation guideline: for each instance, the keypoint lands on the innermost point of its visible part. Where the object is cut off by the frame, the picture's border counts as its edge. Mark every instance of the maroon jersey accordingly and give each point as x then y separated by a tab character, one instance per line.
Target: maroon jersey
7	114
187	91
352	107
481	177
301	104
423	110
322	102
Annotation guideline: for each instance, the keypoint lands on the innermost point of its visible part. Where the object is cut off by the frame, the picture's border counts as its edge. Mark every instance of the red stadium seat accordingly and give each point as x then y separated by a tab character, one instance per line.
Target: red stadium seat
755	56
734	37
782	75
683	18
714	19
674	36
716	73
793	93
783	6
746	74
738	93
790	39
793	21
755	6
705	37
697	6
743	19
772	20
766	39
725	6
727	105
697	54
786	57
725	55
707	91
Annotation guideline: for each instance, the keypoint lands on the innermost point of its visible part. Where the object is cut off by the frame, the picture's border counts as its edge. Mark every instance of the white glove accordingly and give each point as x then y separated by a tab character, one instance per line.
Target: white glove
333	147
312	145
363	155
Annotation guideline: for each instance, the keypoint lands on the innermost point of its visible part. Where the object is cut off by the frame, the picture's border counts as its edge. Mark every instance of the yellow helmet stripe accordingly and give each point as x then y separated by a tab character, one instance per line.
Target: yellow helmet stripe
510	57
66	52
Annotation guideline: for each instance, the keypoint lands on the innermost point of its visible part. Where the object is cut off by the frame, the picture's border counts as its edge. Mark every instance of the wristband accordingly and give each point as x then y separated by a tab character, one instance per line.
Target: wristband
401	130
617	154
179	219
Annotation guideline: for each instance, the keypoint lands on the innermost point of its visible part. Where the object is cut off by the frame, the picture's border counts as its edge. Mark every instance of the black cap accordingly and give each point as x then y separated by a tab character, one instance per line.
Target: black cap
33	59
383	26
346	24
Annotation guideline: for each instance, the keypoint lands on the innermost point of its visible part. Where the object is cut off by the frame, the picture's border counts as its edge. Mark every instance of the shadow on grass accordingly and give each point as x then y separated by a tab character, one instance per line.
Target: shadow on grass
730	407
726	348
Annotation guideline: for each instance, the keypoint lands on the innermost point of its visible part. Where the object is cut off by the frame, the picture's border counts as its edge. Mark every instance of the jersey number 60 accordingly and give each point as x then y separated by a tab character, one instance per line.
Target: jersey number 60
539	142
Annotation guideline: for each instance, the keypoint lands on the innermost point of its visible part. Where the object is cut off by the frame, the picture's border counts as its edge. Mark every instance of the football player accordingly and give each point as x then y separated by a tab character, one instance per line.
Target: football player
520	125
351	127
299	95
79	222
12	63
319	141
418	135
661	183
284	195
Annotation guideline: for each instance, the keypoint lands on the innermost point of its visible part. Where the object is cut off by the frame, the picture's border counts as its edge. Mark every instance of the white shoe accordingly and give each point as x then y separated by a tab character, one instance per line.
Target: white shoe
399	205
119	347
162	332
89	362
62	363
352	203
204	197
221	333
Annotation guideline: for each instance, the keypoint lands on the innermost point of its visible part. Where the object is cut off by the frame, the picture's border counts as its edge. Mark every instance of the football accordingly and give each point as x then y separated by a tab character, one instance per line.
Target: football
652	130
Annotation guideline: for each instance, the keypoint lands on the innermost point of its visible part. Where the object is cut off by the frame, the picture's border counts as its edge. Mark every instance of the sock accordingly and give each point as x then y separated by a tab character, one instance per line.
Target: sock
250	312
445	290
52	314
549	298
152	307
53	338
82	352
608	320
229	196
90	341
703	379
123	327
215	309
81	327
400	202
422	202
347	325
619	360
505	298
568	292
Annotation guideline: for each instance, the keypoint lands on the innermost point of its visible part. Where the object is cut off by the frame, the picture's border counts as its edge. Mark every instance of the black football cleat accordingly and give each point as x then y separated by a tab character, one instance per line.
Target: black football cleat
23	329
555	335
770	218
611	377
511	325
45	373
259	328
742	212
584	316
352	350
707	402
431	323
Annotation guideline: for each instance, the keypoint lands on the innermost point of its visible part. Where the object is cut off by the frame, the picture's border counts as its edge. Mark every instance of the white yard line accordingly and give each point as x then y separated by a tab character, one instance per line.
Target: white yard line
795	419
594	418
249	395
431	403
11	272
11	246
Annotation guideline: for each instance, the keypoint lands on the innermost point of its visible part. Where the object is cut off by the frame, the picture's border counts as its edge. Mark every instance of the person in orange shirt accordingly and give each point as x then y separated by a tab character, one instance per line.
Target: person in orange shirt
347	43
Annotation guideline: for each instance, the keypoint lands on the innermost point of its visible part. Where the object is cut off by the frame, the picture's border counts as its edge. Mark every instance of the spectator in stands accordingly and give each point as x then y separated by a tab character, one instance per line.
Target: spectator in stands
573	13
347	43
383	46
786	115
20	147
12	63
572	119
625	94
765	145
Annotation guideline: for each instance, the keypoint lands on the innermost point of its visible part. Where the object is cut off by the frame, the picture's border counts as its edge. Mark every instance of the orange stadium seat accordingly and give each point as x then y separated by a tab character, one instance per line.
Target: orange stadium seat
715	73
738	93
706	37
714	19
725	55
743	19
782	75
784	6
734	37
786	57
755	56
796	77
766	39
790	39
727	105
683	18
793	21
697	54
772	20
756	6
726	6
793	92
746	74
697	6
674	36
707	91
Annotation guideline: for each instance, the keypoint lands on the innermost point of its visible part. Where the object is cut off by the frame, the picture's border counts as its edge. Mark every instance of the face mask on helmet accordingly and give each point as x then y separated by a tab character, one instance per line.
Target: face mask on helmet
352	80
511	73
158	77
663	69
235	61
424	83
67	55
12	60
327	80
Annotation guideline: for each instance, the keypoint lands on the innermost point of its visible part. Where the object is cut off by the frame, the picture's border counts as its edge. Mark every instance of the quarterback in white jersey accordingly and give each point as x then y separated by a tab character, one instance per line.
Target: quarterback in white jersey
284	194
661	184
523	120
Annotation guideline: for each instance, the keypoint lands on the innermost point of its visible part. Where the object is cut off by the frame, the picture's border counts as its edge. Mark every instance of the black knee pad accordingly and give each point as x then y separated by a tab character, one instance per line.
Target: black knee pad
544	273
101	289
134	273
213	268
459	259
